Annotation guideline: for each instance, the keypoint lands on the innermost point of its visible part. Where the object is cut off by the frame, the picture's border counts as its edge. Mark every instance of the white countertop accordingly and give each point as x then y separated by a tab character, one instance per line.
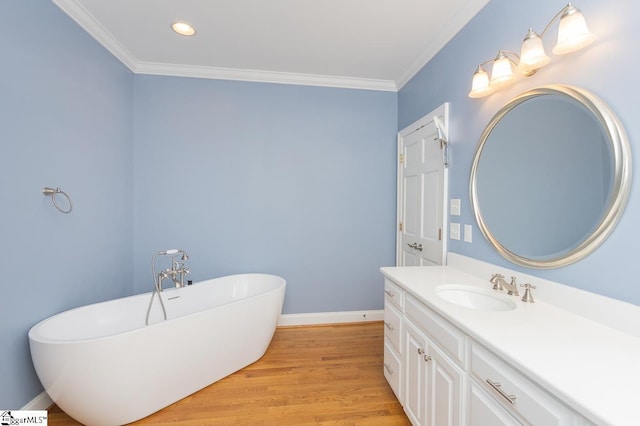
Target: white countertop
593	368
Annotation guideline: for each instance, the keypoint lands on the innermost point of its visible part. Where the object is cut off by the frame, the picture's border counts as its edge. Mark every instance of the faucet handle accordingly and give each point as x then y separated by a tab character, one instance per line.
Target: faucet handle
495	280
528	297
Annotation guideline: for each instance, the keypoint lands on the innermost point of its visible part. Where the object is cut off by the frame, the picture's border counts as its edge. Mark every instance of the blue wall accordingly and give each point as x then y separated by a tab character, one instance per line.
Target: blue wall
608	68
248	177
66	114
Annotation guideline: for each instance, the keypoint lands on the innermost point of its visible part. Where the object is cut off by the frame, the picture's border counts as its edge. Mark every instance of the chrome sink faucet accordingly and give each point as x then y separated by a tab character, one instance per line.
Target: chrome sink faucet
500	284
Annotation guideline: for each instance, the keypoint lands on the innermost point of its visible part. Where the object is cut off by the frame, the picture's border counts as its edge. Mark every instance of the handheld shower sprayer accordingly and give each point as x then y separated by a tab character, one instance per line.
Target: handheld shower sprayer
173	252
167	252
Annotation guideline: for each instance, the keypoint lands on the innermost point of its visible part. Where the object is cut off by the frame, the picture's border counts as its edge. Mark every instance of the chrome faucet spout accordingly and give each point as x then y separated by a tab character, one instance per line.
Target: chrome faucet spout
512	287
178	269
500	284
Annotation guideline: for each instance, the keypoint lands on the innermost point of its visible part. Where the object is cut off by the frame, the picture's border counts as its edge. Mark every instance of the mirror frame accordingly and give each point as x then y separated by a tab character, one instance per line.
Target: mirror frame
621	154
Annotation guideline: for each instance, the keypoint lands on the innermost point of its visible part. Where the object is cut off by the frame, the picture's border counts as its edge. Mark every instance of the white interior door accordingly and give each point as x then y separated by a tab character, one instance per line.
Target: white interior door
422	191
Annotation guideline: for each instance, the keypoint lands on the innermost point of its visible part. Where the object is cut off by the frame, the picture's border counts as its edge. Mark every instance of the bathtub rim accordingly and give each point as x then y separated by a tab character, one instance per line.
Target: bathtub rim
35	336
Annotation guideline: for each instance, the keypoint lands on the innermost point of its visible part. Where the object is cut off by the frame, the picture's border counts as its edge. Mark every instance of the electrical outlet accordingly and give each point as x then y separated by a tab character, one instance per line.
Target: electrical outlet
454	207
454	231
467	233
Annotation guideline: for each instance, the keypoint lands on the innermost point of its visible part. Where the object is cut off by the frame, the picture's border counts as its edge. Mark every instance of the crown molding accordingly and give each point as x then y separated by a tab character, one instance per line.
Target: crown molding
263	76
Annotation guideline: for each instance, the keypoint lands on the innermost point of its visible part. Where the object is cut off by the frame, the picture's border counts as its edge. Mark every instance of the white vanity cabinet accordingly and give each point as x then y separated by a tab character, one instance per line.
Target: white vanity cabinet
433	385
443	376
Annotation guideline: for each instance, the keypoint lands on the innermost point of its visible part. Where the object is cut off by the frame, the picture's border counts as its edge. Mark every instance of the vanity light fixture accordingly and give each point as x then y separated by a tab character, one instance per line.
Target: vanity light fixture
573	35
183	28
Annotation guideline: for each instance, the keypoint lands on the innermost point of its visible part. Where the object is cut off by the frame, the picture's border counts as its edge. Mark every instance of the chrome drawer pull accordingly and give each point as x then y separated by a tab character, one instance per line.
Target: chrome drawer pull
388	325
386	366
427	358
389	293
420	351
498	388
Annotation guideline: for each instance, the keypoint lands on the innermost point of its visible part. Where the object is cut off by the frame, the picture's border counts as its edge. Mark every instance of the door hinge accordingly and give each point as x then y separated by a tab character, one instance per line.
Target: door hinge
401	158
401	227
440	234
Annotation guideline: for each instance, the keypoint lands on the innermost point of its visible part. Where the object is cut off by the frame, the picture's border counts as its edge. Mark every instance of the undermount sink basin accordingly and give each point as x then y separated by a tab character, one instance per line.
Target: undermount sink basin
475	298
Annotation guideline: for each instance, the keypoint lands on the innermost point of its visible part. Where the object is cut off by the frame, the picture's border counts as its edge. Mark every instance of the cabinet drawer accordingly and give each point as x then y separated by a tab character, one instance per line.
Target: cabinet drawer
393	326
516	392
392	369
394	293
446	335
484	410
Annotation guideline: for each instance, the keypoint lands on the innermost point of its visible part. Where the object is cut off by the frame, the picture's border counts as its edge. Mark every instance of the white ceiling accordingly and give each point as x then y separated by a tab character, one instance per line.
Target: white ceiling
366	44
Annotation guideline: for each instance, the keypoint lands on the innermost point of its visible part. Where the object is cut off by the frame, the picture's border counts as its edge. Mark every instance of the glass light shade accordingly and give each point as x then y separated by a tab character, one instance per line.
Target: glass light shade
573	33
183	28
532	55
501	73
480	85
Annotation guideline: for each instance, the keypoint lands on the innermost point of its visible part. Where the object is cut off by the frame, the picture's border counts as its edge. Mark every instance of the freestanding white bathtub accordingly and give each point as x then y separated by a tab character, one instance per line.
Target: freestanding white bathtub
102	365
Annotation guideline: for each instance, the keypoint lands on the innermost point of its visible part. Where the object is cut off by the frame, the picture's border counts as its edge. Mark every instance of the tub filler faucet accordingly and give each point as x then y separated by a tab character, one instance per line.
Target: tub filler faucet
177	270
176	273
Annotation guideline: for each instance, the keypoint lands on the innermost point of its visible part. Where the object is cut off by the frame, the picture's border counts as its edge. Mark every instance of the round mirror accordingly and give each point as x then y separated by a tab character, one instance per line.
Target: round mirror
550	177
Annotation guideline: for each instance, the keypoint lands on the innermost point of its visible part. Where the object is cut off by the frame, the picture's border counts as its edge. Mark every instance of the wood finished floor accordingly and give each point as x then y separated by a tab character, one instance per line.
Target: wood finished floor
320	375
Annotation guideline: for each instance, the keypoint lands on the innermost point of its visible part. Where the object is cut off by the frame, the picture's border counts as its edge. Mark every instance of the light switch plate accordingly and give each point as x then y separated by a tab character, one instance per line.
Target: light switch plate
454	207
467	233
454	231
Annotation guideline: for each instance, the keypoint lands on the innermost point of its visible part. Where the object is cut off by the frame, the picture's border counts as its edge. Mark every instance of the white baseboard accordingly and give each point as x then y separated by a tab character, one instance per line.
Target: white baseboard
330	317
40	402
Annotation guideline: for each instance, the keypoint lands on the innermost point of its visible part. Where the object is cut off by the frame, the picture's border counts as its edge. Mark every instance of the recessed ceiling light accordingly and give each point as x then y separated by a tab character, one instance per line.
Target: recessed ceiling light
183	28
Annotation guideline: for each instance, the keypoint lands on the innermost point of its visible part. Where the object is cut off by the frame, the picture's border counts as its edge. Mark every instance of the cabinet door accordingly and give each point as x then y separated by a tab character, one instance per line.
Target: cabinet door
484	410
416	374
445	397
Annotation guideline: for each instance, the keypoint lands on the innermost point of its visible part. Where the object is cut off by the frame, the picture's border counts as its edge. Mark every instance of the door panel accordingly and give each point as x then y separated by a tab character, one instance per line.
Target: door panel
412	184
416	375
432	198
446	391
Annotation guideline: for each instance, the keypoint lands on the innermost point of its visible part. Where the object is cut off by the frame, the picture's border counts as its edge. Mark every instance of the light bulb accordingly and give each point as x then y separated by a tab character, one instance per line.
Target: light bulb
183	28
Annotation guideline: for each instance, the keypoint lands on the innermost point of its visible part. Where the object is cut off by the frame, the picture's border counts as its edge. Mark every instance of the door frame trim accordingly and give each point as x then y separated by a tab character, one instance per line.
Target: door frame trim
442	112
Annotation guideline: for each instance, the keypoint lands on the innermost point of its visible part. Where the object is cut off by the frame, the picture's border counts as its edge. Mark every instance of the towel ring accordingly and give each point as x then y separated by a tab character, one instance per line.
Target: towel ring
52	193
